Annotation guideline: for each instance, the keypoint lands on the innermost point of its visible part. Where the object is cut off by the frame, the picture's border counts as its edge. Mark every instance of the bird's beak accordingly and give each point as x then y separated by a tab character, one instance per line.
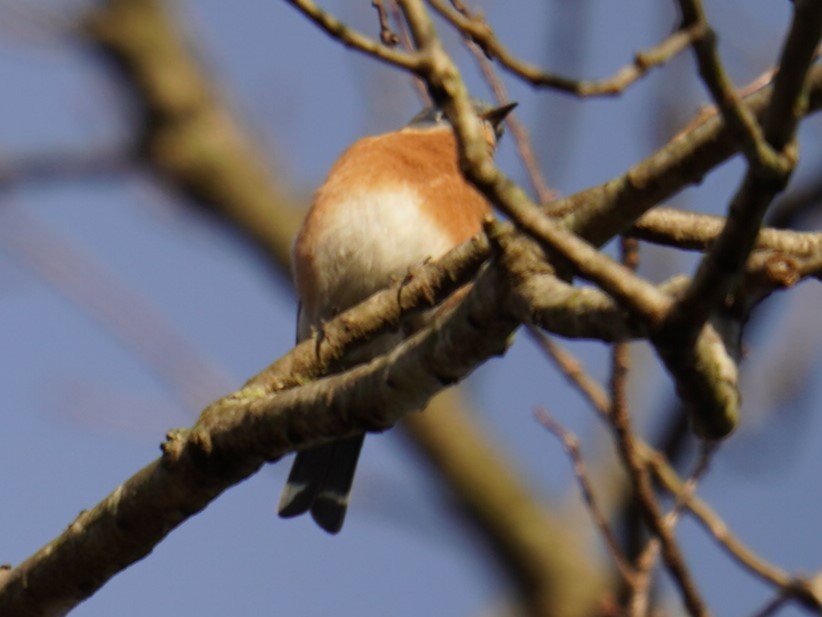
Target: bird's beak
496	115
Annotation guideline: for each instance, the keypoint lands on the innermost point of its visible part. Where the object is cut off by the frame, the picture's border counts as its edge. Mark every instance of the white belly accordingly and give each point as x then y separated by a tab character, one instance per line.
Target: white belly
365	243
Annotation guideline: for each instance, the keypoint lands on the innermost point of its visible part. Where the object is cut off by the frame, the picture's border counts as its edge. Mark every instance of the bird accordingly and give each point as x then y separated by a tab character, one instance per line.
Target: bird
389	203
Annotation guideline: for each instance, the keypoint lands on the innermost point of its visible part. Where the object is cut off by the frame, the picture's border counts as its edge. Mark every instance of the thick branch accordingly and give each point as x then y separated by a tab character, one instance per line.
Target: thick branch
236	435
689	230
186	134
601	212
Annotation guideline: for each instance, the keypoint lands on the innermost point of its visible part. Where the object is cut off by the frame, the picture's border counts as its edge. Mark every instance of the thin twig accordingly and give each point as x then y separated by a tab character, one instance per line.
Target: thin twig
640	585
574	372
387	35
802	588
571	444
771	606
683	491
407	45
752	87
480	32
647	558
518	130
713	523
652	515
353	39
58	166
737	116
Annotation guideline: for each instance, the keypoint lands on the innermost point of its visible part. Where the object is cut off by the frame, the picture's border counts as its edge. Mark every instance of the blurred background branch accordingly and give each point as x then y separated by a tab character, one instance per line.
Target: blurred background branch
185	132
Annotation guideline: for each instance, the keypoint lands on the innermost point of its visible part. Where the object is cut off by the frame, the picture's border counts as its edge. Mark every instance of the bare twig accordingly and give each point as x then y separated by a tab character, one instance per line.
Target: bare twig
645	561
573	371
354	39
602	211
518	131
652	515
571	445
407	45
752	87
86	282
387	35
713	523
738	117
479	31
58	166
804	589
528	538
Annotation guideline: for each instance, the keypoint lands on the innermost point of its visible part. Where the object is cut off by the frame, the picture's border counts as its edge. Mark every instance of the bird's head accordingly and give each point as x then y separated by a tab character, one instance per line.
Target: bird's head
492	116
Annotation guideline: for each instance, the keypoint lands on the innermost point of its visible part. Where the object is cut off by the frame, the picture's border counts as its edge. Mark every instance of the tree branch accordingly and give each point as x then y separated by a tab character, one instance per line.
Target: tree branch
722	266
601	212
651	513
275	413
185	133
704	374
353	39
237	434
479	31
690	230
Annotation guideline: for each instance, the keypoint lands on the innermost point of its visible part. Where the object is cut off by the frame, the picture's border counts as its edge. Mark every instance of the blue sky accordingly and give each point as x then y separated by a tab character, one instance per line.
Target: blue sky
85	408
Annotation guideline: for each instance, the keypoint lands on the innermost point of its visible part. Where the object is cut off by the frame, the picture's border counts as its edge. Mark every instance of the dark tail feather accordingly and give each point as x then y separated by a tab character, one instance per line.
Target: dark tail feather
304	481
330	504
320	481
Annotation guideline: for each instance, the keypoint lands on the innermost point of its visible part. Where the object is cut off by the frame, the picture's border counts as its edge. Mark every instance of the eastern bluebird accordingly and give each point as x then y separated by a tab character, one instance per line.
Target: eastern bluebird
390	202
